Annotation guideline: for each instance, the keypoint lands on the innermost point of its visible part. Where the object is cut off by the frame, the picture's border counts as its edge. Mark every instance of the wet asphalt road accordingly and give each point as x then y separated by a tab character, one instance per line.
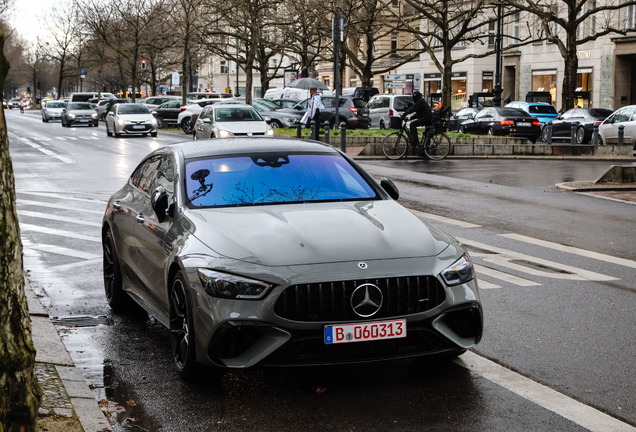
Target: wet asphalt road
570	330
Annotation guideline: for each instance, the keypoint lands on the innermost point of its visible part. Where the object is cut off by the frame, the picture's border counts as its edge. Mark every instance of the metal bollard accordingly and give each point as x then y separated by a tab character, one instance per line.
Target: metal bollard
621	134
595	135
343	137
549	133
573	134
327	133
312	125
299	130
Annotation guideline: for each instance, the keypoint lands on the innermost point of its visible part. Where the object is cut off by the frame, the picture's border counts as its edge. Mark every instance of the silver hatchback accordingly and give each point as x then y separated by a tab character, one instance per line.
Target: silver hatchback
225	120
608	130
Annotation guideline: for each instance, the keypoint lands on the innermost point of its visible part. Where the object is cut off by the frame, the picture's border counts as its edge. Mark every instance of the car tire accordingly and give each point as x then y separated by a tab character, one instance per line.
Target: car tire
460	129
544	134
185	126
103	117
600	140
108	132
382	125
276	124
117	135
491	131
194	136
182	338
153	134
580	136
117	298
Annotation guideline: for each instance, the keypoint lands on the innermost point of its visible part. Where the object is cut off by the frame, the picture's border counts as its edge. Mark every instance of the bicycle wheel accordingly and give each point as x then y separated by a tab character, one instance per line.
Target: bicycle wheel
394	145
438	147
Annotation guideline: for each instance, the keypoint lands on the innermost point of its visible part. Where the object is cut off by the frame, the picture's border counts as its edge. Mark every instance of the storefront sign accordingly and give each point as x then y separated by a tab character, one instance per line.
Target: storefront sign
585	54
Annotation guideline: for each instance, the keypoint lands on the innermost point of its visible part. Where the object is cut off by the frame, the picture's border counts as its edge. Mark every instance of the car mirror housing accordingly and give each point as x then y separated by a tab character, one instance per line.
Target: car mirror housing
206	120
267	119
390	188
159	203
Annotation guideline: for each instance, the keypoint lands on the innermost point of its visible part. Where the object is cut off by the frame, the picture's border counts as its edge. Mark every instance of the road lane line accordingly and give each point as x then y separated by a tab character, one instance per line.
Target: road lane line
64	197
58	232
444	219
46	151
606	198
75	264
504	276
575	411
486	285
61	138
57	218
57	206
62	251
503	257
570	249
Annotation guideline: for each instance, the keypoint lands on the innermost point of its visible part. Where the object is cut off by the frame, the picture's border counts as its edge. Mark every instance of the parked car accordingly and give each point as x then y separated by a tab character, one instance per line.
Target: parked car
608	130
167	113
130	119
503	121
187	114
53	111
79	113
155	101
462	116
541	111
274	93
352	111
227	120
284	103
584	118
274	117
383	107
365	93
260	252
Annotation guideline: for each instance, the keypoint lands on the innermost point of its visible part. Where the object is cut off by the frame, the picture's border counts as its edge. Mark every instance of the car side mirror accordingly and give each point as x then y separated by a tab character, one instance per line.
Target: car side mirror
267	119
390	188
159	203
559	118
206	120
111	113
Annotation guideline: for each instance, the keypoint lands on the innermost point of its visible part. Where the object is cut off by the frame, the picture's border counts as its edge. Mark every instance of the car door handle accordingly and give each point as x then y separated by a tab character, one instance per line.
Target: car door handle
117	205
140	218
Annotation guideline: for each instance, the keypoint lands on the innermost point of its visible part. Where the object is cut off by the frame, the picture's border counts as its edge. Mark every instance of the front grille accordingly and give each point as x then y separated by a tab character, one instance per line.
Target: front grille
253	134
330	301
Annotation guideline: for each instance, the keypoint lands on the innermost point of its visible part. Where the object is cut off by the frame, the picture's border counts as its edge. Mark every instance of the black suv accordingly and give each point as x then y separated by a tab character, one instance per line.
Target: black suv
352	111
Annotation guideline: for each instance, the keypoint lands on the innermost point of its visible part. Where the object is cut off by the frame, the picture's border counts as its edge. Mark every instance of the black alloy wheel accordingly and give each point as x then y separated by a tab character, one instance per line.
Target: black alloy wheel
461	129
580	136
181	328
544	134
491	131
116	297
185	125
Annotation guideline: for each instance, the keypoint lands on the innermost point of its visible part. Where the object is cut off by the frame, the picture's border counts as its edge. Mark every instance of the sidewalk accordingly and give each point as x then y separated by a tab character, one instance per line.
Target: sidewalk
65	390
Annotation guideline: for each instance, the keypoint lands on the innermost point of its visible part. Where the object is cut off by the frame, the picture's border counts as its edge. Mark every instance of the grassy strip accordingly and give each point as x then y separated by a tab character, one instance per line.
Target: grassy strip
360	132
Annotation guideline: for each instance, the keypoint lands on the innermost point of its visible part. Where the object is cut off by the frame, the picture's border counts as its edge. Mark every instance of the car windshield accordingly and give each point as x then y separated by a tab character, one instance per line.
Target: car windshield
56	105
133	109
542	109
79	106
270	105
236	114
15	100
600	113
273	178
402	103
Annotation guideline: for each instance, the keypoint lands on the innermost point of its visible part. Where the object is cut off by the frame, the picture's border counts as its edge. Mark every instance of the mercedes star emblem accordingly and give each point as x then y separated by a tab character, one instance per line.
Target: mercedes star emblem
366	300
363	265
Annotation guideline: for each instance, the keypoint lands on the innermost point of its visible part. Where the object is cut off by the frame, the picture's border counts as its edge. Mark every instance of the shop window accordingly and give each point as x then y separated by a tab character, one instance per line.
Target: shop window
325	80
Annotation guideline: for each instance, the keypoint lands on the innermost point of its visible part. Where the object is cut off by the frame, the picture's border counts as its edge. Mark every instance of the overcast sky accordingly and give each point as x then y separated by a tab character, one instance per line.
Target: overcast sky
27	17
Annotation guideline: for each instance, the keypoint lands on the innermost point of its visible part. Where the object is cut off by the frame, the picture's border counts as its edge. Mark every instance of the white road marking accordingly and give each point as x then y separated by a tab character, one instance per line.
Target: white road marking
63	251
504	276
487	285
45	151
64	197
577	412
75	264
58	232
562	248
607	198
57	218
61	138
57	206
504	256
444	219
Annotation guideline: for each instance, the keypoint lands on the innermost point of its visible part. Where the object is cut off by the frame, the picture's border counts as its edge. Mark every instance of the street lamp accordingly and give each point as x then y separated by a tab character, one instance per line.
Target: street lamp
498	42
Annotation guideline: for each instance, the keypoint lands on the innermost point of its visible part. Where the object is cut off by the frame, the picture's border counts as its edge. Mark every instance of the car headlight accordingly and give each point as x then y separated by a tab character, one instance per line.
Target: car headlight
289	119
153	121
71	115
94	115
228	286
120	122
225	134
461	271
270	132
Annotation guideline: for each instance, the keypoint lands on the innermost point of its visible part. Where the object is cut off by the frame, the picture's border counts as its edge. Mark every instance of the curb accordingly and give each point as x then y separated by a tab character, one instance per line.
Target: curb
593	187
51	352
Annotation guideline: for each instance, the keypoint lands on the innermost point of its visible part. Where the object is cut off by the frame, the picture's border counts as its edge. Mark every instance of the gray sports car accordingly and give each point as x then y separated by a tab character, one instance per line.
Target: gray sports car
281	252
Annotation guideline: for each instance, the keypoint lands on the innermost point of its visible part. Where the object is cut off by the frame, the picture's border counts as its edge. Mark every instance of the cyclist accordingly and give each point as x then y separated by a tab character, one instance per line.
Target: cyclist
423	115
21	106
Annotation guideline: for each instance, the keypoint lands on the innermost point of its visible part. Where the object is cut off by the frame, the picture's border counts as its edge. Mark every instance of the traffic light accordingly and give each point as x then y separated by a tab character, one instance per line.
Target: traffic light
103	87
143	65
28	89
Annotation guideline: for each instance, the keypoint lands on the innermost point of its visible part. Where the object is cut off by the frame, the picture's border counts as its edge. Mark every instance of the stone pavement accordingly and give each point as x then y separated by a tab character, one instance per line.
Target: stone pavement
65	389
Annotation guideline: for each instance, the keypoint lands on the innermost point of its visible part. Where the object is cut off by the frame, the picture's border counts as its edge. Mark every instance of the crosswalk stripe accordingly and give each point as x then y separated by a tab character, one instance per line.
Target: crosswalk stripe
487	285
64	197
504	276
57	218
62	251
572	250
58	232
46	151
57	206
444	219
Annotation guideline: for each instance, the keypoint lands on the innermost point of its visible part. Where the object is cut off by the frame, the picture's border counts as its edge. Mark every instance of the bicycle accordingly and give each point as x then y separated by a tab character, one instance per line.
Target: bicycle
434	143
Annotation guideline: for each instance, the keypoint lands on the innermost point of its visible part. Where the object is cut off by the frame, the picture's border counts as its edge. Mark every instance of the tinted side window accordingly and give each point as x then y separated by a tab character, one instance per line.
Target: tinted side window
402	103
328	102
623	115
136	176
566	115
149	174
165	176
578	113
359	103
481	114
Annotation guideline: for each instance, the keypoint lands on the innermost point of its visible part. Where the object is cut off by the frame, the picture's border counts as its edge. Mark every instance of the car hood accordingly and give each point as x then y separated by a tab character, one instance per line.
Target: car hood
81	112
298	234
243	126
54	110
135	117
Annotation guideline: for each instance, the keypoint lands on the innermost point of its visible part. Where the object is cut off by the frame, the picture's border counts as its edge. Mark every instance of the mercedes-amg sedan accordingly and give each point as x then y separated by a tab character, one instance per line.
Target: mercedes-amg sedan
281	252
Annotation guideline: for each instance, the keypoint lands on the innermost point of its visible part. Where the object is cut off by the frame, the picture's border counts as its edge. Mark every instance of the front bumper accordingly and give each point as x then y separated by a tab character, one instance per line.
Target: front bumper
81	121
133	129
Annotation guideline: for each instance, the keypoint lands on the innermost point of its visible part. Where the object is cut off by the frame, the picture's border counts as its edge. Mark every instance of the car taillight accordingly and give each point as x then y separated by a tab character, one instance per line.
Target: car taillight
597	123
536	123
507	122
392	113
181	109
354	110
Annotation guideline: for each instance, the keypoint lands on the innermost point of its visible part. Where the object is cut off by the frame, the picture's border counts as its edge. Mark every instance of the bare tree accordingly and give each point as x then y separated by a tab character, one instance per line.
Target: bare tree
571	23
20	393
34	64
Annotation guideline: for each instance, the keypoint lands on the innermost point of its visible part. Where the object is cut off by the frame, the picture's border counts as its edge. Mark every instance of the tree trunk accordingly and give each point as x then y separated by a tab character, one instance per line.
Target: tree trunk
60	79
569	76
20	393
249	71
447	83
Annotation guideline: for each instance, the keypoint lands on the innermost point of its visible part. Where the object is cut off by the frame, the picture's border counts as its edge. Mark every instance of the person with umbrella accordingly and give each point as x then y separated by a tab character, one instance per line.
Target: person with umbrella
314	110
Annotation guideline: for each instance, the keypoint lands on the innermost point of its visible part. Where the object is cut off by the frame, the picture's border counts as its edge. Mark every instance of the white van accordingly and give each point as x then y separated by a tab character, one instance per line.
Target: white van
86	96
274	93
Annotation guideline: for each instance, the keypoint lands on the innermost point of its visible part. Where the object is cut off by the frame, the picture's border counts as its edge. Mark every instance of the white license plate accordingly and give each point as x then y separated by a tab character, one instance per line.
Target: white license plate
359	332
524	124
139	127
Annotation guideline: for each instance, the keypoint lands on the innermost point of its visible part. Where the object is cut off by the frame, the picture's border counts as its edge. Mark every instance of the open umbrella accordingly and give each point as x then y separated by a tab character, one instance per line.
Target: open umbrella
307	83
